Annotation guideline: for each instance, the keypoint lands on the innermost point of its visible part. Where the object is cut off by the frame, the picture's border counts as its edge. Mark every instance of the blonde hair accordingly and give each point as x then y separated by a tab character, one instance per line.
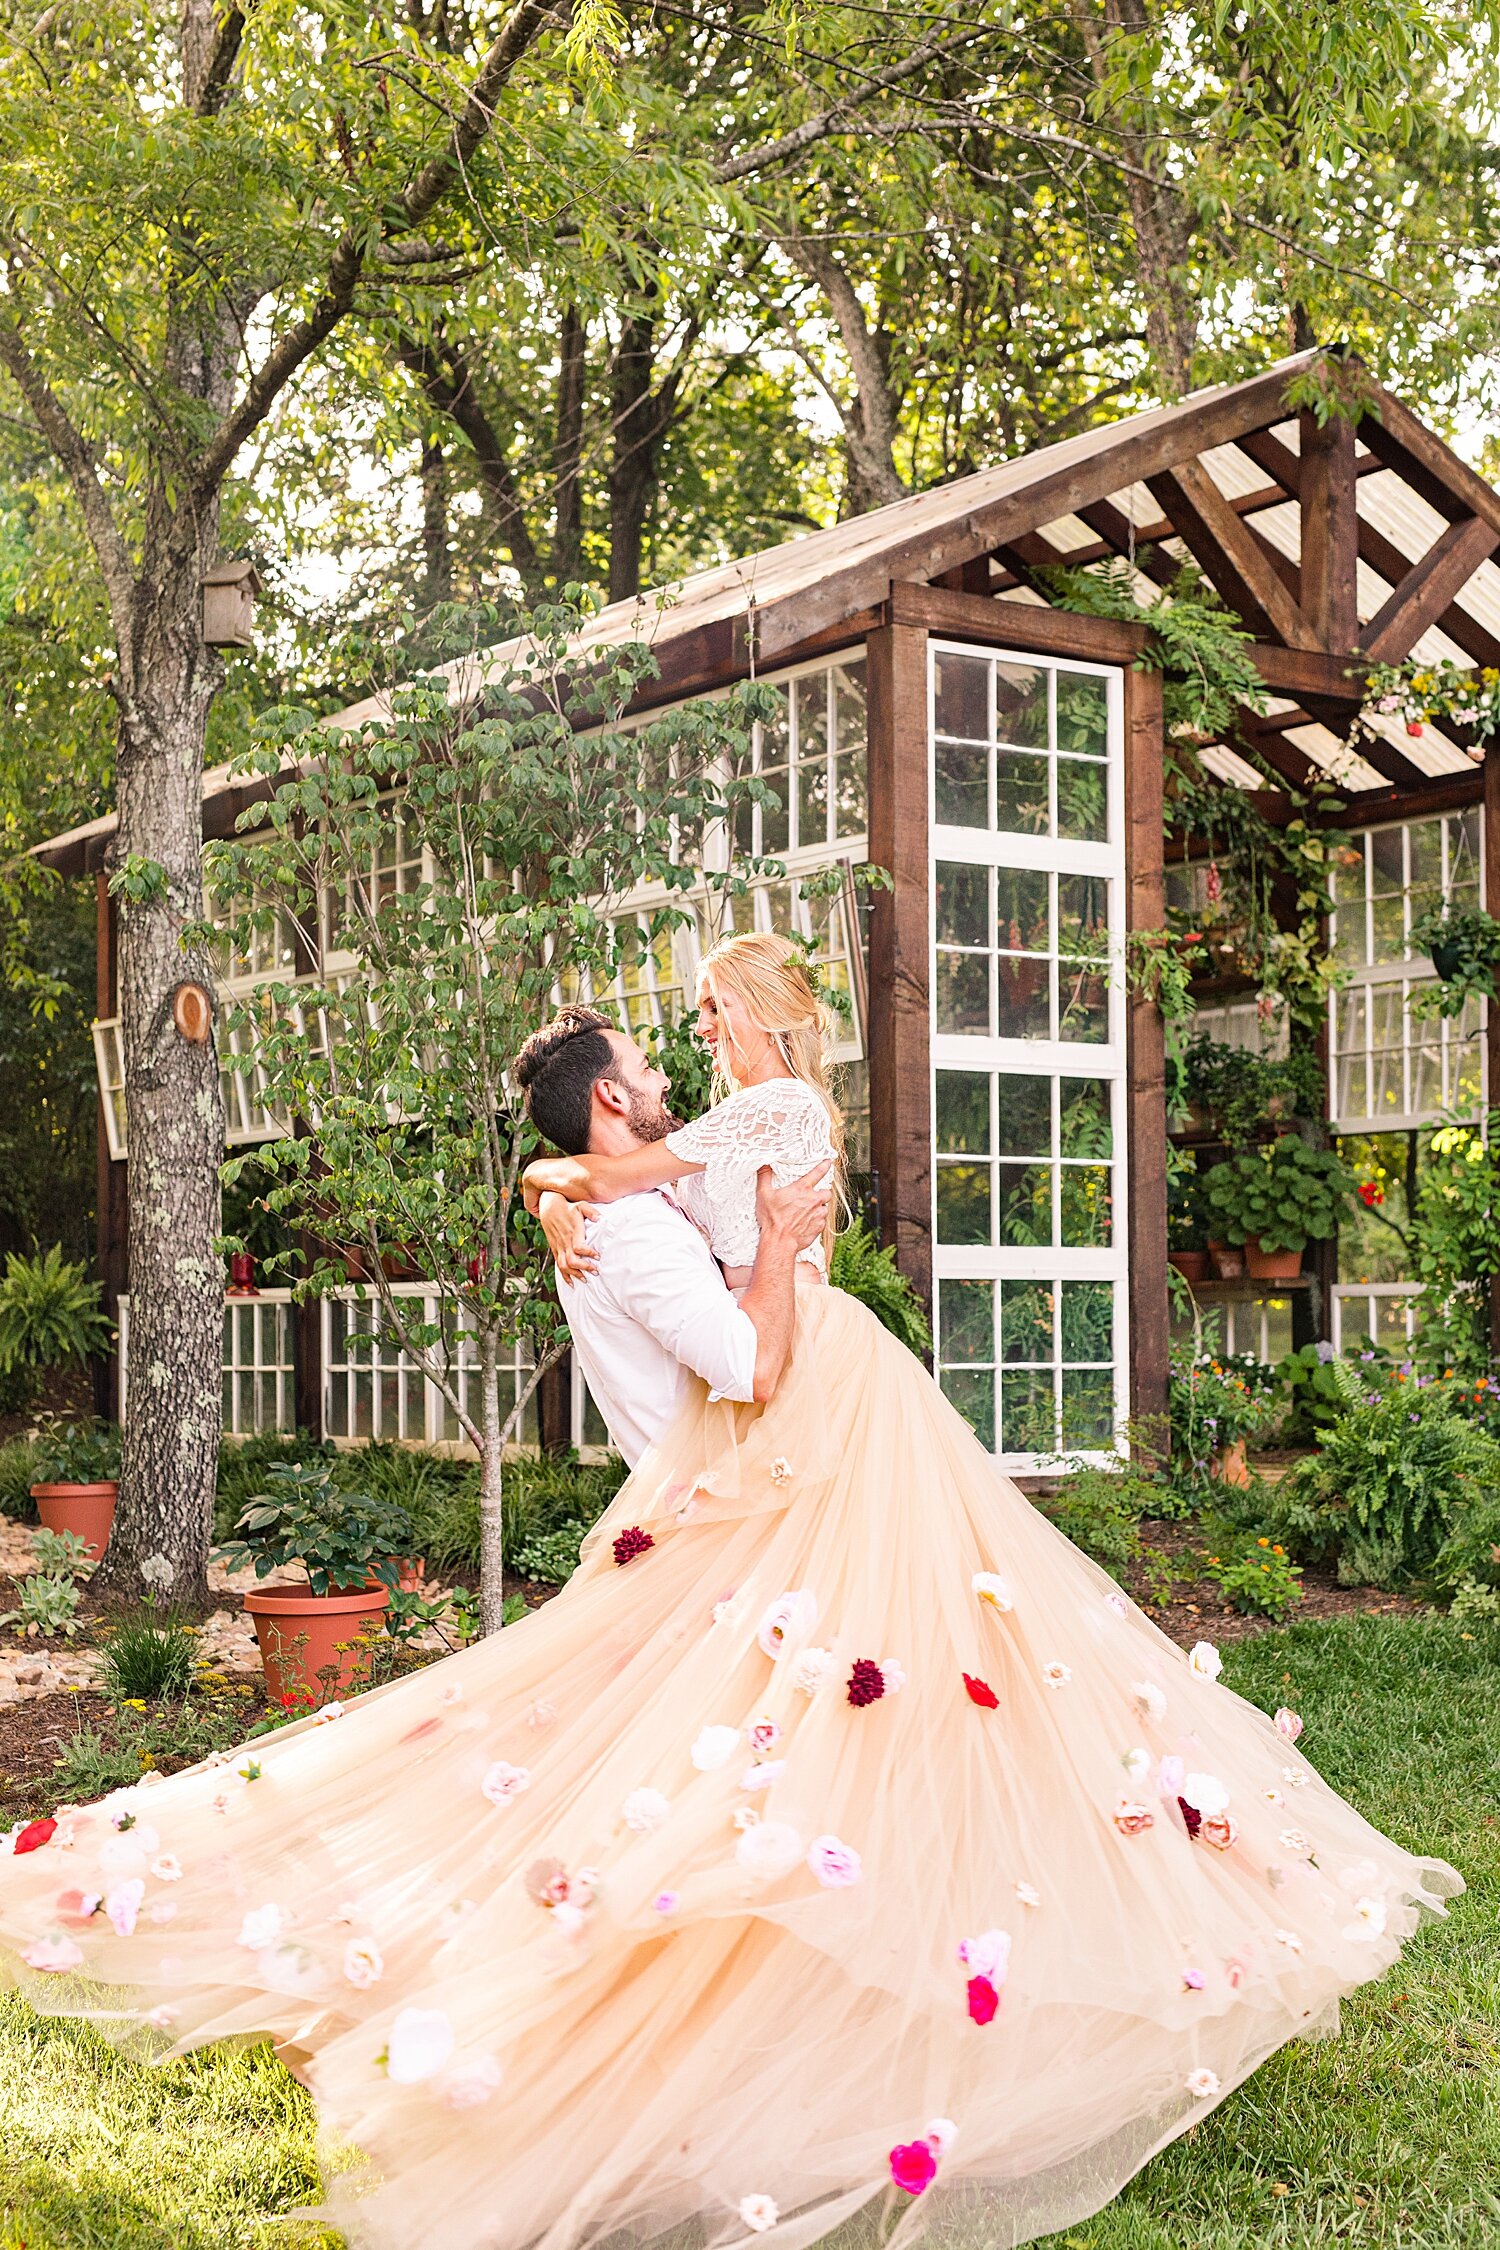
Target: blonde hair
771	979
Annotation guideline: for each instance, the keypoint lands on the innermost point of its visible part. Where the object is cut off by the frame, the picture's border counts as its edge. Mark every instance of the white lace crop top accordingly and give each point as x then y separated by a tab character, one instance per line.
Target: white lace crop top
782	1123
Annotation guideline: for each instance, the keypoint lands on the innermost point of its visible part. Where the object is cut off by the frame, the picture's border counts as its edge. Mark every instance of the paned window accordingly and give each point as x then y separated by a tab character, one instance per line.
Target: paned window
1028	1045
259	1366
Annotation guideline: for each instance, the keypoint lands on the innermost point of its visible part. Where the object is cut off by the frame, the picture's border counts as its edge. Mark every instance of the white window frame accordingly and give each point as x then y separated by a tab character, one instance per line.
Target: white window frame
1350	1297
423	1416
1103	1061
283	1366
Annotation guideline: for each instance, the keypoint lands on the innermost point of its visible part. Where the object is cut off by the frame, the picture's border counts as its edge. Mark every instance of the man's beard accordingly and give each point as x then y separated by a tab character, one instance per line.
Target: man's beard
650	1121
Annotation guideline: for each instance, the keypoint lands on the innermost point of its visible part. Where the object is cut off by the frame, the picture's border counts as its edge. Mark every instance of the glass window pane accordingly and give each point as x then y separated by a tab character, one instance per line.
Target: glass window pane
963	992
1387	860
966	1321
1027	1412
1082	713
1349	891
1087	1218
1023	985
962	785
963	904
1082	1005
1023	1198
1022	910
1023	1123
775	820
1086	1319
961	696
1026	1309
812	759
1021	807
1088	1409
1463	856
963	1203
972	1392
1084	1117
1021	705
1082	800
963	1112
1083	915
1387	927
850	746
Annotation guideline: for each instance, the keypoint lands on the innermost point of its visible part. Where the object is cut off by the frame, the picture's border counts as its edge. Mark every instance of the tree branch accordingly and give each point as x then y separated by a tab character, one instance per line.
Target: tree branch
521	28
829	120
77	457
451	390
218	67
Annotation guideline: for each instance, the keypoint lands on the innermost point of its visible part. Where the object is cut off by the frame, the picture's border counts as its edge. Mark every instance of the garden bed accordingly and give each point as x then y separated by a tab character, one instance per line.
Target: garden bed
1196	1610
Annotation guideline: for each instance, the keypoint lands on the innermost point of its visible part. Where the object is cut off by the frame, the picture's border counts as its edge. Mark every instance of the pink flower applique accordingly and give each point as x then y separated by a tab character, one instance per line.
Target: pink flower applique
788	1621
1133	1819
665	1902
1287	1724
983	2000
914	2163
759	2213
122	1904
835	1864
54	1955
1192	1980
503	1782
1219	1829
781	1470
1202	2085
763	1737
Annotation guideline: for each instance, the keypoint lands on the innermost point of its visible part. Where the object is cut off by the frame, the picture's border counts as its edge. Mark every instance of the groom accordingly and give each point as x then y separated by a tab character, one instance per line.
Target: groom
655	1310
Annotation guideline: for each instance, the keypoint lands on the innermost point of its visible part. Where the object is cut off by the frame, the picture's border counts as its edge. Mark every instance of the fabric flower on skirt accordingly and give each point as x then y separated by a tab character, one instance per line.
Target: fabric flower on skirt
363	1965
789	1620
420	2043
989	1587
814	1669
1202	2085
1205	1660
1287	1724
769	1850
34	1835
54	1955
758	2213
1133	1819
503	1782
632	1541
1150	1701
645	1810
714	1747
835	1864
866	1683
980	1692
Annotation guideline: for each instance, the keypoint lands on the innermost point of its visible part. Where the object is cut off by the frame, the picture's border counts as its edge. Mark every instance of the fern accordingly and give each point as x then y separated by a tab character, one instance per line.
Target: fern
863	1270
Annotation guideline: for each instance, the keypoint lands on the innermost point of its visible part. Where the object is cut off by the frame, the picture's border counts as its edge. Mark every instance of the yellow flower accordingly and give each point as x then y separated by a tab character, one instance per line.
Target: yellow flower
133	1703
1262	1542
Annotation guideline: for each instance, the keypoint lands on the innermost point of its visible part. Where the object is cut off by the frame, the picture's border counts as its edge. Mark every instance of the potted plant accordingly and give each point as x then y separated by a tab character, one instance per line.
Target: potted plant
1186	1220
1275	1200
1464	945
1215	1407
77	1468
348	1546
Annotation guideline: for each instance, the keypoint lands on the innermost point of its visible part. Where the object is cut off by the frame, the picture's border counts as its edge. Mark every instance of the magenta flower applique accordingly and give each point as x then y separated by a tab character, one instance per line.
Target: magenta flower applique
632	1541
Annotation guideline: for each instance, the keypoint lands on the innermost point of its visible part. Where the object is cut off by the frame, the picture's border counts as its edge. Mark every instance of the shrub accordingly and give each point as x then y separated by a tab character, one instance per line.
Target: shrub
17	1476
1100	1511
1261	1579
552	1556
48	1604
1389	1487
49	1313
149	1657
862	1269
1318	1390
1214	1402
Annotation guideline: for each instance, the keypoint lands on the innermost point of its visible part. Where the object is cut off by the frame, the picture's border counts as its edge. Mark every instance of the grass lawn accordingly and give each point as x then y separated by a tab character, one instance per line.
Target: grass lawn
1389	2135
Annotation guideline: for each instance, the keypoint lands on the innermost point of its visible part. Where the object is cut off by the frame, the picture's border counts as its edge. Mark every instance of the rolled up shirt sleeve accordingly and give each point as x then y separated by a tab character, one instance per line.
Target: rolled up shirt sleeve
673	1288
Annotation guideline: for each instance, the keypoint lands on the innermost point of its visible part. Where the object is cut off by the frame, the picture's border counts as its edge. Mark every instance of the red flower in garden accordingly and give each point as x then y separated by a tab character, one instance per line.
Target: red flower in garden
866	1683
983	2000
980	1692
1192	1819
35	1834
632	1542
1369	1194
913	2166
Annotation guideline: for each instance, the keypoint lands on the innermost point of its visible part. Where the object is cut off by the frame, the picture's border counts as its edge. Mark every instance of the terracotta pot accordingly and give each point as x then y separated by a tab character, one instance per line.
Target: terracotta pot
299	1633
1272	1265
1228	1260
1230	1465
1191	1264
88	1509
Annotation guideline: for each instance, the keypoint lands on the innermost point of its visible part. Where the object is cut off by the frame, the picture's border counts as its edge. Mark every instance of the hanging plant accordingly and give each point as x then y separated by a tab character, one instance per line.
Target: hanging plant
1416	693
1464	945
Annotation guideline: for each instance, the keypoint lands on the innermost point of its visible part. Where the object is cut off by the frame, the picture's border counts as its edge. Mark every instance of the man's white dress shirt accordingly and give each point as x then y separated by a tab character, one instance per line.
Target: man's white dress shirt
654	1311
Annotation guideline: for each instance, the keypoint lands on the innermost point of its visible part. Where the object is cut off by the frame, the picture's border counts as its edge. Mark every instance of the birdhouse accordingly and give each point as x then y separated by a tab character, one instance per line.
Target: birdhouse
229	592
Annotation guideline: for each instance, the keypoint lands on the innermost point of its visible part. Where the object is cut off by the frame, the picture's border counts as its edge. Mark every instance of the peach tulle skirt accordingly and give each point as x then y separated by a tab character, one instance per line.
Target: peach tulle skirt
632	1925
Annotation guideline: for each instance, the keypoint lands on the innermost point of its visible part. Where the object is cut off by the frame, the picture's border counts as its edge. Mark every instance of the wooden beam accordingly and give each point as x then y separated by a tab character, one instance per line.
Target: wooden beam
1229	555
1305	672
900	1028
1428	588
1145	1050
1151	443
1330	530
1021	625
1382	554
1420	458
1415	800
1120	537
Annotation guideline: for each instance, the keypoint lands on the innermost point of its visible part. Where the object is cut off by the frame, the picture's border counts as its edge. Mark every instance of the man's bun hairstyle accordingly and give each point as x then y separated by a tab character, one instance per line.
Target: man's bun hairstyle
558	1069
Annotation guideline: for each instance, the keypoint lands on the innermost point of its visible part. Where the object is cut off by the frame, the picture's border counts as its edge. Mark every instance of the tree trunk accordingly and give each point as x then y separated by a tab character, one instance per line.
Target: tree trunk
640	417
1160	214
174	1106
491	1495
437	562
567	546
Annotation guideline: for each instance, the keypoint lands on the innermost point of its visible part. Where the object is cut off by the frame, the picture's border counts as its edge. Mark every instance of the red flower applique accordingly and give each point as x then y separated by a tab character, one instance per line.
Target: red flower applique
35	1834
630	1543
866	1683
1192	1819
980	1692
913	2166
983	2000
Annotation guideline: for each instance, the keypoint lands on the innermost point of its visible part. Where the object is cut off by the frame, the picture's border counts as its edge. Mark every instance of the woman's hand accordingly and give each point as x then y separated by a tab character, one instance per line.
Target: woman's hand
563	1223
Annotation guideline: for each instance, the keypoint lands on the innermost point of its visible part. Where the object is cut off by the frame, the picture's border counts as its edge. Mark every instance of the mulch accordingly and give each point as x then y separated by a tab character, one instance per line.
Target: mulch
1197	1609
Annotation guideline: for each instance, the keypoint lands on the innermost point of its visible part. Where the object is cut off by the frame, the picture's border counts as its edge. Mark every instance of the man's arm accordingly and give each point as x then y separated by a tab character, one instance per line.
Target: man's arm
791	1219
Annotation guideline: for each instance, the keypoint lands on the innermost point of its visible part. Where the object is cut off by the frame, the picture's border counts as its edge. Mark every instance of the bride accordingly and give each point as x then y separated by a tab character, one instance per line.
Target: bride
841	1849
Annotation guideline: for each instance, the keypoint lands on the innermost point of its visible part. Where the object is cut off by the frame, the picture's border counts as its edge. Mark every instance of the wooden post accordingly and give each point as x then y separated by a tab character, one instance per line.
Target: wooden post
112	1179
1330	531
1145	1057
900	1026
1492	1013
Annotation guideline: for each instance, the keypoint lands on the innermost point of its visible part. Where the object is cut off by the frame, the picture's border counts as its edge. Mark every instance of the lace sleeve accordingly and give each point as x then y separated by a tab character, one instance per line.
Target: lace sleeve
781	1123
